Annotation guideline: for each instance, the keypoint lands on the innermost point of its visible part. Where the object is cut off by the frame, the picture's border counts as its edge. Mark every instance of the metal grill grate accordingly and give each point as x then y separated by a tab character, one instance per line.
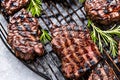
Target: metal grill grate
48	66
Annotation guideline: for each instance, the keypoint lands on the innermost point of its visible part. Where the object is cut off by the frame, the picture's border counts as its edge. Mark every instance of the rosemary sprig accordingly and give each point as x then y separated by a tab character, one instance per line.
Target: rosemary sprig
81	1
35	7
45	37
105	37
113	30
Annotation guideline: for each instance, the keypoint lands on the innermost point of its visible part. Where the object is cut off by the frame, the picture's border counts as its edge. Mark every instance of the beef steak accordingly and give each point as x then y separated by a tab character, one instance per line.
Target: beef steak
103	12
23	35
75	48
11	6
102	72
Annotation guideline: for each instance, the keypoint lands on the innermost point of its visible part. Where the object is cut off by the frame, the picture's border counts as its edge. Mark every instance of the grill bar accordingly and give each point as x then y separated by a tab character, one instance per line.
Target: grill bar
49	65
114	70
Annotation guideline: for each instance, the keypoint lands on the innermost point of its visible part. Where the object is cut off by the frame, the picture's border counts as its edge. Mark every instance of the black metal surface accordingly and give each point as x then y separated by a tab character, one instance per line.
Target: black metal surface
48	66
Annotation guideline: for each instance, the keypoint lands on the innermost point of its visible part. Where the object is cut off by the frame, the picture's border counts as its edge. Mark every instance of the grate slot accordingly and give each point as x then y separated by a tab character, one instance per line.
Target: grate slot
52	13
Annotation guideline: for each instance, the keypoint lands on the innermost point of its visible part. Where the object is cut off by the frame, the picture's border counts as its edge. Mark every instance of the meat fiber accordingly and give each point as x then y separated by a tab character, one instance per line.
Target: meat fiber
75	48
102	72
11	6
103	12
23	35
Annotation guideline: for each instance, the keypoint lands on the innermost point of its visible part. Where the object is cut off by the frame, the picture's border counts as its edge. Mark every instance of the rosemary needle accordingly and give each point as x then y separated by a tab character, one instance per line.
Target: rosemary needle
35	7
105	37
45	37
81	1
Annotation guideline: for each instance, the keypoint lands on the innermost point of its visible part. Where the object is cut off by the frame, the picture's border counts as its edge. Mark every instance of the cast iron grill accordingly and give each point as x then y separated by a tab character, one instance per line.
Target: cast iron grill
68	11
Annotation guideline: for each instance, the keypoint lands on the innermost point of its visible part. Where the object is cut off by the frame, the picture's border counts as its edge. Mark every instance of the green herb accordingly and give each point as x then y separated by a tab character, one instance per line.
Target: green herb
45	37
35	7
105	37
81	1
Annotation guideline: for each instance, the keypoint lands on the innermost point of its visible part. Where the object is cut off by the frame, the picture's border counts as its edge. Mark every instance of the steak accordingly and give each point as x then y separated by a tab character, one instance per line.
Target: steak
75	48
102	72
23	35
103	12
12	6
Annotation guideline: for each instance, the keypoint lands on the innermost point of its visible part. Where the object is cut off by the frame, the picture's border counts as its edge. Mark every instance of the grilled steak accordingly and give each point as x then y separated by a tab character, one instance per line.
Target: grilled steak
11	6
102	72
103	11
75	48
23	35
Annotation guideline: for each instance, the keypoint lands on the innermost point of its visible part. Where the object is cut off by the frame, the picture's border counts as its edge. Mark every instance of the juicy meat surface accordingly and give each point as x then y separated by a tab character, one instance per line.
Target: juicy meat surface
102	72
103	11
23	35
11	6
75	48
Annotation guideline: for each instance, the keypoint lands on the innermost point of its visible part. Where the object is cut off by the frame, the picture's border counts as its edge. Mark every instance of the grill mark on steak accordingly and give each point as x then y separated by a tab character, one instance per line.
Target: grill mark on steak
102	72
103	11
23	35
75	49
12	6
